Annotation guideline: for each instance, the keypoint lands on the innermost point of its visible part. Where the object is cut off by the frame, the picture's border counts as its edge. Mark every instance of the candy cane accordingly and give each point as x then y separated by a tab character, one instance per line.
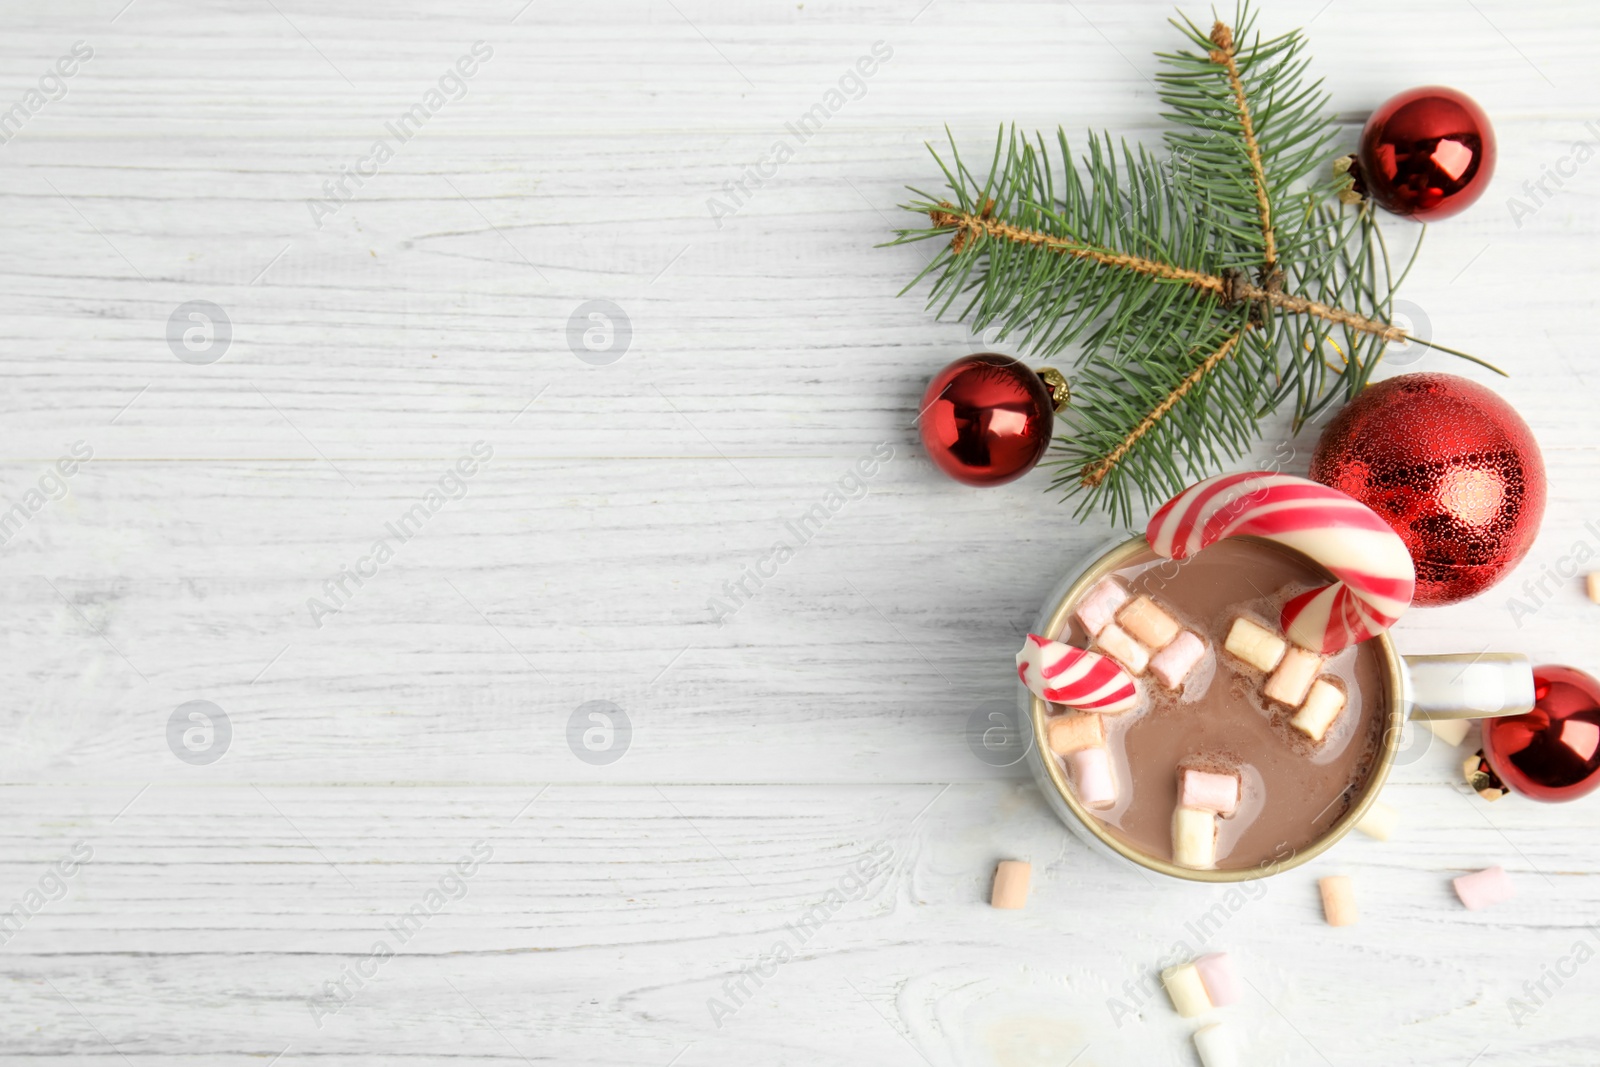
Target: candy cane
1376	577
1075	677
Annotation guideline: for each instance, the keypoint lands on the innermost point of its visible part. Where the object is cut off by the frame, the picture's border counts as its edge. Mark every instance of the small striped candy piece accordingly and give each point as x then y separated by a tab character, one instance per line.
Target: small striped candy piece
1375	575
1076	677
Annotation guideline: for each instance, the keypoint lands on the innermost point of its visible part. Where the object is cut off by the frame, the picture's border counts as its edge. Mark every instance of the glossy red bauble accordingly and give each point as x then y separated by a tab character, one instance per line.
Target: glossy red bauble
1426	154
1553	752
1451	466
986	419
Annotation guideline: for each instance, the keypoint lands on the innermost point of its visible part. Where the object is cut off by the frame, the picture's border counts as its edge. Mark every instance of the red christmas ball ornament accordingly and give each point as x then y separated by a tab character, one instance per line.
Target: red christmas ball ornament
1553	752
986	419
1426	154
1451	466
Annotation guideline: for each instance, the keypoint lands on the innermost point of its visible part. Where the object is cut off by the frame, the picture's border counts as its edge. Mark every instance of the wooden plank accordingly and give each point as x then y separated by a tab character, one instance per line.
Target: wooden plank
600	921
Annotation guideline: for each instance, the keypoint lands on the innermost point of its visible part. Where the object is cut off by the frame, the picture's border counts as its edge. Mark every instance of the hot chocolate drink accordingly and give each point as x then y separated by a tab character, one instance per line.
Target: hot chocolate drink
1300	736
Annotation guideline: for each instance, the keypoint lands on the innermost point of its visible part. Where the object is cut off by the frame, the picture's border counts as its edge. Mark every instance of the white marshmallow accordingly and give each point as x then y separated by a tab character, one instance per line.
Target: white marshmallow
1255	644
1194	839
1115	642
1323	705
1379	821
1451	731
1099	606
1215	1046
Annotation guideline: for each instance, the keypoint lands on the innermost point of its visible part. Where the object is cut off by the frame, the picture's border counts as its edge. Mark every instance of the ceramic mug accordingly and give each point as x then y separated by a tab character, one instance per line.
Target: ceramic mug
1473	686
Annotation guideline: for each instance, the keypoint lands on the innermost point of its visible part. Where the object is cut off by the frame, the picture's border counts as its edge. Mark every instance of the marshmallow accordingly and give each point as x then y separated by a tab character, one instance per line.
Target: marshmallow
1591	583
1099	606
1582	737
1208	791
1173	663
1120	646
1323	705
1188	993
1451	731
1379	821
1214	1044
1216	974
1151	626
1010	885
1068	733
1339	900
1255	644
1293	678
1194	839
1485	887
1091	775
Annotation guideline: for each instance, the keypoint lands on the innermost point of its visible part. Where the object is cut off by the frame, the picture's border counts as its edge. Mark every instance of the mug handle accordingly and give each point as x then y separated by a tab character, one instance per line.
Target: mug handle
1468	686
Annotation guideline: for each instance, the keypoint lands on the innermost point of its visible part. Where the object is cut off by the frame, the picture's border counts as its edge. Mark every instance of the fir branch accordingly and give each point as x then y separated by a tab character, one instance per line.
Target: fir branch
1201	290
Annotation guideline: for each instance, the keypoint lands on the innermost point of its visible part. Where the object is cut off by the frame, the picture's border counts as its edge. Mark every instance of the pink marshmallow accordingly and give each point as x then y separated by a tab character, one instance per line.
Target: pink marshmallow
1091	774
1209	791
1582	736
1483	888
1216	974
1173	663
1099	606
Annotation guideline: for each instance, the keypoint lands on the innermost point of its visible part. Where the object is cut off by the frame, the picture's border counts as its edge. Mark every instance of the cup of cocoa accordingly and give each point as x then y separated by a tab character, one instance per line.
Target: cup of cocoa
1220	700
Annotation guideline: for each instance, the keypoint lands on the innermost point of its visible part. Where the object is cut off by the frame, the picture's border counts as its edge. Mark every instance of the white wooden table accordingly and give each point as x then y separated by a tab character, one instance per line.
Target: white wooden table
370	755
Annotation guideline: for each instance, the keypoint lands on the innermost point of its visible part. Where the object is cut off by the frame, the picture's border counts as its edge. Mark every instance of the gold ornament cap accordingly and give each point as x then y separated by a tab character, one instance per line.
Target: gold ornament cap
1347	180
1056	383
1481	777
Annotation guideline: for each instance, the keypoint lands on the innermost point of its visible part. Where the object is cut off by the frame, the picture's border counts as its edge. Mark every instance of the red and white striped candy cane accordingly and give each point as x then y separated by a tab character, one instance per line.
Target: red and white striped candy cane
1376	576
1076	677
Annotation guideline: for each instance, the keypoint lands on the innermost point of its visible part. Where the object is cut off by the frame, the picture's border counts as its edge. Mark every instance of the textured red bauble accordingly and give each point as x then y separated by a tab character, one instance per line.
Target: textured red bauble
1451	466
1553	752
1426	154
986	419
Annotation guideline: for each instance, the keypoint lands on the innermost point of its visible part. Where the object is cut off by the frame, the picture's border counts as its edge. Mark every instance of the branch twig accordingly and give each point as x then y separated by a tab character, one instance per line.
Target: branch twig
1094	474
1226	289
1223	55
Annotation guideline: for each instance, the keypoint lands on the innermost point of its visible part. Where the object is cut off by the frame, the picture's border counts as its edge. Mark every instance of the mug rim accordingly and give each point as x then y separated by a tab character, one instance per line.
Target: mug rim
1055	622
